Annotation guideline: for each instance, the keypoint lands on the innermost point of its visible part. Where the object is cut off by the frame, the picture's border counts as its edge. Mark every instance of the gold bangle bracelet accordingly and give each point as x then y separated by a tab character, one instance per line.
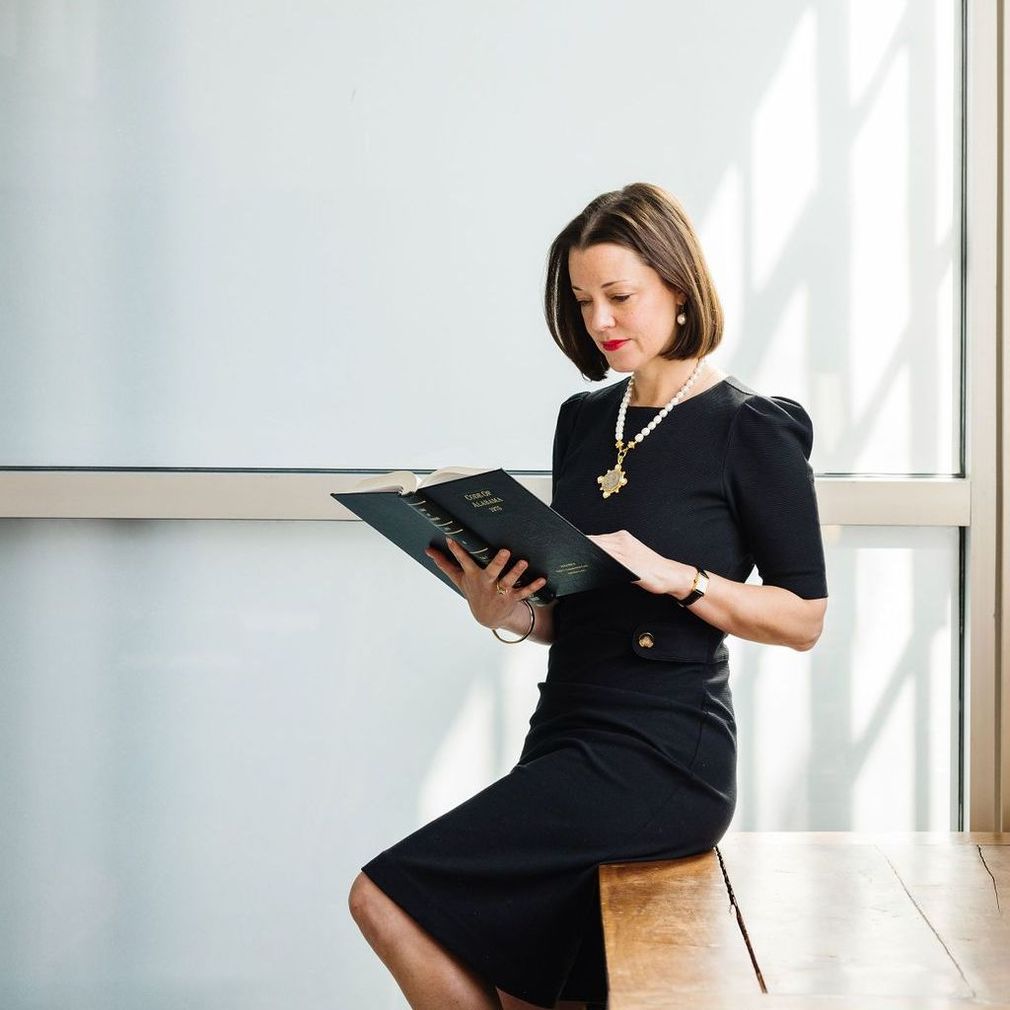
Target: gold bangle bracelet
516	641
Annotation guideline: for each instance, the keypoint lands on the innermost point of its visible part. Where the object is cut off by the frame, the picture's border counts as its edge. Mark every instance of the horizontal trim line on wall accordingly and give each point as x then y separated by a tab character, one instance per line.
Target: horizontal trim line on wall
298	495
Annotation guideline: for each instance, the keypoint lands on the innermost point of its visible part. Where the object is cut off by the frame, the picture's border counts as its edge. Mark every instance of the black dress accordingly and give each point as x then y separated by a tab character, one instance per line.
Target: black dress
631	751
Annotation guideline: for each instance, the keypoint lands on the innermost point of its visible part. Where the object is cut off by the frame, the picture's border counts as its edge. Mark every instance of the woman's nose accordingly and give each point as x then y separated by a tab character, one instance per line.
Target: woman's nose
601	317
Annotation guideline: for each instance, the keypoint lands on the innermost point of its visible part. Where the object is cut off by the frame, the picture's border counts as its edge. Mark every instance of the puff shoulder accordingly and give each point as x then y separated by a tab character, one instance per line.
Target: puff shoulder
769	483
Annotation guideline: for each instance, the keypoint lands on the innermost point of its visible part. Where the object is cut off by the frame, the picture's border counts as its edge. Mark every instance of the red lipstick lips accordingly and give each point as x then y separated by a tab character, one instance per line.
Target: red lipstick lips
612	345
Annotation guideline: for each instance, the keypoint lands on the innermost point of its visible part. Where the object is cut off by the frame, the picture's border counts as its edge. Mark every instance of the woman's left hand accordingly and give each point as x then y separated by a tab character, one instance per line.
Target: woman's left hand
657	574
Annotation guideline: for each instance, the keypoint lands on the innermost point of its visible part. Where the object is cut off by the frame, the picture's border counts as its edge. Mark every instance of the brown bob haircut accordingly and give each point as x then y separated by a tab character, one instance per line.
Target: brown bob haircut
653	224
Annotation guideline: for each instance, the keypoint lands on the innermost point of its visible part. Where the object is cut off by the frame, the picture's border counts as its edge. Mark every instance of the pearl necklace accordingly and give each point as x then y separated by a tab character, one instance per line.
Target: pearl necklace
613	480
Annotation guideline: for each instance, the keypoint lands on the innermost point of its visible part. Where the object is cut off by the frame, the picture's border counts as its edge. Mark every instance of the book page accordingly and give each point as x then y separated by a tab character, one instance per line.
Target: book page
400	481
447	473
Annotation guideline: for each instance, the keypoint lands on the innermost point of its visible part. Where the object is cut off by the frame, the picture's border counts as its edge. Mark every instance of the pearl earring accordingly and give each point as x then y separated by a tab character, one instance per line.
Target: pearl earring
682	319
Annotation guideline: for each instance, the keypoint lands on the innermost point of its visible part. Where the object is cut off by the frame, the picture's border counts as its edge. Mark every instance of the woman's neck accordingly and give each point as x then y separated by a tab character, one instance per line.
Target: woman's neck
658	390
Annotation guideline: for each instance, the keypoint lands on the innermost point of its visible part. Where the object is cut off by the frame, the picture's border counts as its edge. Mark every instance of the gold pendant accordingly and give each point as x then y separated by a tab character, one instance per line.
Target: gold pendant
612	481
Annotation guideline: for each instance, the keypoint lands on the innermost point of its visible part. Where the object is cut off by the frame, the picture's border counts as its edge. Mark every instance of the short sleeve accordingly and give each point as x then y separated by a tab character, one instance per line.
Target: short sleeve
562	435
769	483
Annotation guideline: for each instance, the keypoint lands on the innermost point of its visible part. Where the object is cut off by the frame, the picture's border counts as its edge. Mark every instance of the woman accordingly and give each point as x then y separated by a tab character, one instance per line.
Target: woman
690	479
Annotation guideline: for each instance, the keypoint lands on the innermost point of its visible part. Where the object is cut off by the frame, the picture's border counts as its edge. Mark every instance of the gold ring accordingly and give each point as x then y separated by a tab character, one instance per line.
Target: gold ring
498	586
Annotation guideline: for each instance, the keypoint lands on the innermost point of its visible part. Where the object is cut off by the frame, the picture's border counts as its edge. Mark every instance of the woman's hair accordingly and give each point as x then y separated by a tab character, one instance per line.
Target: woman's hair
652	223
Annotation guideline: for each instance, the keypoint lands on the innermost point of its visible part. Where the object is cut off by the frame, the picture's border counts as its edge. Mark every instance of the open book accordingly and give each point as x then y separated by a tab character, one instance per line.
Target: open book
483	511
402	481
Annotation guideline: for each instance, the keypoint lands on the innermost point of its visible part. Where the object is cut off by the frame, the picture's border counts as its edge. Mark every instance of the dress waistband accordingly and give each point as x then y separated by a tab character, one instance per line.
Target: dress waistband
666	678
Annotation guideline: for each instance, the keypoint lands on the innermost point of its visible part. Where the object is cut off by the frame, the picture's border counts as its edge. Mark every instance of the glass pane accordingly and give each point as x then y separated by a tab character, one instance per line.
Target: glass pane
860	733
269	246
207	728
839	263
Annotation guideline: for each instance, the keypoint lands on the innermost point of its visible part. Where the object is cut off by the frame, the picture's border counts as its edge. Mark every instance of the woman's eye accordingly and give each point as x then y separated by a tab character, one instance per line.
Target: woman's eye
616	298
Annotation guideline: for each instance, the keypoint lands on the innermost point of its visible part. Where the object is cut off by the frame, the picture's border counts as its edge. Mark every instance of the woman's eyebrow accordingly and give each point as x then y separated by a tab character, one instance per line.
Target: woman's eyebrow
575	287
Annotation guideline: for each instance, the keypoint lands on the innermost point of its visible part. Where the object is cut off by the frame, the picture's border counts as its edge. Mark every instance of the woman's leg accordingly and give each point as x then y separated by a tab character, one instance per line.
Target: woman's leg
511	1003
430	976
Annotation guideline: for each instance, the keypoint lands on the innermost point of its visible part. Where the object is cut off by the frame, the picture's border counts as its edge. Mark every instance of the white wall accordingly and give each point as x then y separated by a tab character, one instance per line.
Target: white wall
263	235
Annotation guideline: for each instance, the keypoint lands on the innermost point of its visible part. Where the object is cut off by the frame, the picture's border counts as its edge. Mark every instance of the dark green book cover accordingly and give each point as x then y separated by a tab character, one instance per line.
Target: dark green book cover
484	512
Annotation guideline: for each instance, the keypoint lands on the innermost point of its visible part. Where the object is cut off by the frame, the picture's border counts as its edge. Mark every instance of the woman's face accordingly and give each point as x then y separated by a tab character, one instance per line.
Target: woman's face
623	299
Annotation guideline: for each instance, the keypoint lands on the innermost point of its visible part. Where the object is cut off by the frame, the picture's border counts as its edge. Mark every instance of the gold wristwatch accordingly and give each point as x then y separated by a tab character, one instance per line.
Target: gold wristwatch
697	589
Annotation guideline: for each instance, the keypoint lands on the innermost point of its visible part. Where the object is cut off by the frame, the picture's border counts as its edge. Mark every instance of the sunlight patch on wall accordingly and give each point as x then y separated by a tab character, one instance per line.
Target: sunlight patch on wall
784	150
464	761
937	759
873	27
883	582
945	119
947	398
879	294
722	236
783	699
521	670
784	367
883	792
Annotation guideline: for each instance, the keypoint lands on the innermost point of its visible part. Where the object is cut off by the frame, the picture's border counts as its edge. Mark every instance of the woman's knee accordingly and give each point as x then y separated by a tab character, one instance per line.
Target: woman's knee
365	902
383	923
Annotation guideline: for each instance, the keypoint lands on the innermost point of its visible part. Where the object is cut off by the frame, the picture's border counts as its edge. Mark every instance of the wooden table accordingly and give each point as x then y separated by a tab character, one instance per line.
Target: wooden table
818	920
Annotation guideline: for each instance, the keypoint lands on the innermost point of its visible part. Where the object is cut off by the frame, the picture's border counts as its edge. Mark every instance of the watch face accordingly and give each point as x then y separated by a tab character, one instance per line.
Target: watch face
702	582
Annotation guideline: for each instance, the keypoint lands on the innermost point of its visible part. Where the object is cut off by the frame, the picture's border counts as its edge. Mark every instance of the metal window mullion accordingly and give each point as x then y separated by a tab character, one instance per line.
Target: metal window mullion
982	138
1001	519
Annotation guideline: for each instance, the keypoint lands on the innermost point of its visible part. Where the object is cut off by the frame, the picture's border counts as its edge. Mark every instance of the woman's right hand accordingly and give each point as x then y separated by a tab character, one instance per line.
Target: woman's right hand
489	607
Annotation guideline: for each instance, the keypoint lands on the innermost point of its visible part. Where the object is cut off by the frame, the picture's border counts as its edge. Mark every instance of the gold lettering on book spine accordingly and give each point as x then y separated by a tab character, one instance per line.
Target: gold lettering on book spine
451	527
